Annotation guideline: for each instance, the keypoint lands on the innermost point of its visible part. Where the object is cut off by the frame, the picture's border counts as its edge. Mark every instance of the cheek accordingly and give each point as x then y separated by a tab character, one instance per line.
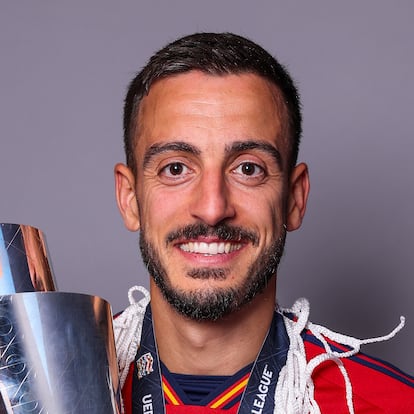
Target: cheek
264	207
161	208
269	215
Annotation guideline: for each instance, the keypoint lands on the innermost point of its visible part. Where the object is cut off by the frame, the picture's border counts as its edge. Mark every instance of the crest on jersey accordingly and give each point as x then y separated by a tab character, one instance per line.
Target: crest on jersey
145	365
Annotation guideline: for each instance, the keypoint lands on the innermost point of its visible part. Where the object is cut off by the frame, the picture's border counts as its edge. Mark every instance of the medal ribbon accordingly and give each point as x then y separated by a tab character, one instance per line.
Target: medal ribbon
258	396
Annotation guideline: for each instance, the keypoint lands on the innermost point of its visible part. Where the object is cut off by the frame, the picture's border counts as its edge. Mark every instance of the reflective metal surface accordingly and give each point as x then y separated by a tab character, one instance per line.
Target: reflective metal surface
24	264
57	355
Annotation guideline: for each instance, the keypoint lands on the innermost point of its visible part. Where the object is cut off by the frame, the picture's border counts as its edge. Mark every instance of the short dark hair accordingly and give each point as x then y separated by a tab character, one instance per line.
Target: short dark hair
215	54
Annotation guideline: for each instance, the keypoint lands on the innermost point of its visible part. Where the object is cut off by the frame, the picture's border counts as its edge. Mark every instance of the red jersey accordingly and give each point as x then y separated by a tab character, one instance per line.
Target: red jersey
377	387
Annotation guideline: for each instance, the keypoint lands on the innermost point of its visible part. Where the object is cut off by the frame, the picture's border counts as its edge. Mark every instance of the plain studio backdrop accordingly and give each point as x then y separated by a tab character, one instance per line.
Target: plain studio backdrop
64	69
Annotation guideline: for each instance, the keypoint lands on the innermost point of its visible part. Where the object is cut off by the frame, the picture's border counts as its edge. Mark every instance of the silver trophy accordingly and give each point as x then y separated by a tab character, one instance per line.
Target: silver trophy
24	263
57	351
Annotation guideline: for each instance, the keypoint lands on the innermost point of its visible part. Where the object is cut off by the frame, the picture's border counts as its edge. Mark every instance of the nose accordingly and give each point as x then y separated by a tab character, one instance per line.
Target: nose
212	202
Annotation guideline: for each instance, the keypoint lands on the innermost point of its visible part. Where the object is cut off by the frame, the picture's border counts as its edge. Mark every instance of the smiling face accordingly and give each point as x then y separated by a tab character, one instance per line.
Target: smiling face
213	193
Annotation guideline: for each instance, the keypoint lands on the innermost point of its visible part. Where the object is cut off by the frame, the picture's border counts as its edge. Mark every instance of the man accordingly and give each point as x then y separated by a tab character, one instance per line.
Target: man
212	127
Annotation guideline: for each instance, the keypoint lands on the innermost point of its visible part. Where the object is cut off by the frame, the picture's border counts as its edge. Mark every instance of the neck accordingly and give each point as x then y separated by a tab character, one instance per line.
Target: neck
222	347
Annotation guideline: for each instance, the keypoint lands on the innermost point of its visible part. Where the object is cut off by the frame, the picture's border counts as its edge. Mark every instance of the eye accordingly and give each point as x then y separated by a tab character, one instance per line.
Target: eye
175	172
249	169
175	169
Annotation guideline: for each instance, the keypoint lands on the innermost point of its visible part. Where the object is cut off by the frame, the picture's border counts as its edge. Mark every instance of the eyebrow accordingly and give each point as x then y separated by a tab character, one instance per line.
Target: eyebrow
180	146
235	147
240	146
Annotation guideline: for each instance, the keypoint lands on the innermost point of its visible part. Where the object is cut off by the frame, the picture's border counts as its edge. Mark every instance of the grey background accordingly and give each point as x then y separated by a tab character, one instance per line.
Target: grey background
64	67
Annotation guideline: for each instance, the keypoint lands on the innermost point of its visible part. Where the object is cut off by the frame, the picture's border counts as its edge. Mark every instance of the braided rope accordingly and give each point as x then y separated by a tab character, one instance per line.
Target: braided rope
127	330
295	388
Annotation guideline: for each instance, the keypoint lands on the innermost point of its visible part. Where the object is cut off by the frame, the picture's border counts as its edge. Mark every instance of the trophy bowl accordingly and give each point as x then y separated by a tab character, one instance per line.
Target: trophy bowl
57	355
57	350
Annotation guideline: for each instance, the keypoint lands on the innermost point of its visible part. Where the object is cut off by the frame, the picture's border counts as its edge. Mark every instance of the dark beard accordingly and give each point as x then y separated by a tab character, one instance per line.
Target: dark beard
212	304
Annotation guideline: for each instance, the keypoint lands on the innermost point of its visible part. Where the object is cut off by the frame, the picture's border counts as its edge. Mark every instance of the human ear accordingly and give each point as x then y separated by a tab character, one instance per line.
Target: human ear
126	197
298	196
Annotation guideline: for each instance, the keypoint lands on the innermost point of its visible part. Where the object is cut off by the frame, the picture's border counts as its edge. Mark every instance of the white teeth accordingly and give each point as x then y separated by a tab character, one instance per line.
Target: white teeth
210	248
202	247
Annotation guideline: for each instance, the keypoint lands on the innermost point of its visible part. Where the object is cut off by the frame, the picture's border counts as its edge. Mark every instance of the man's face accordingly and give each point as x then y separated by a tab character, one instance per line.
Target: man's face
212	189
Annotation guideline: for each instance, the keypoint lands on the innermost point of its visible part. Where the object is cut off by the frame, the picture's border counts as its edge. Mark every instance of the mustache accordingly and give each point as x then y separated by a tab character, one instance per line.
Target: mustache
224	232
